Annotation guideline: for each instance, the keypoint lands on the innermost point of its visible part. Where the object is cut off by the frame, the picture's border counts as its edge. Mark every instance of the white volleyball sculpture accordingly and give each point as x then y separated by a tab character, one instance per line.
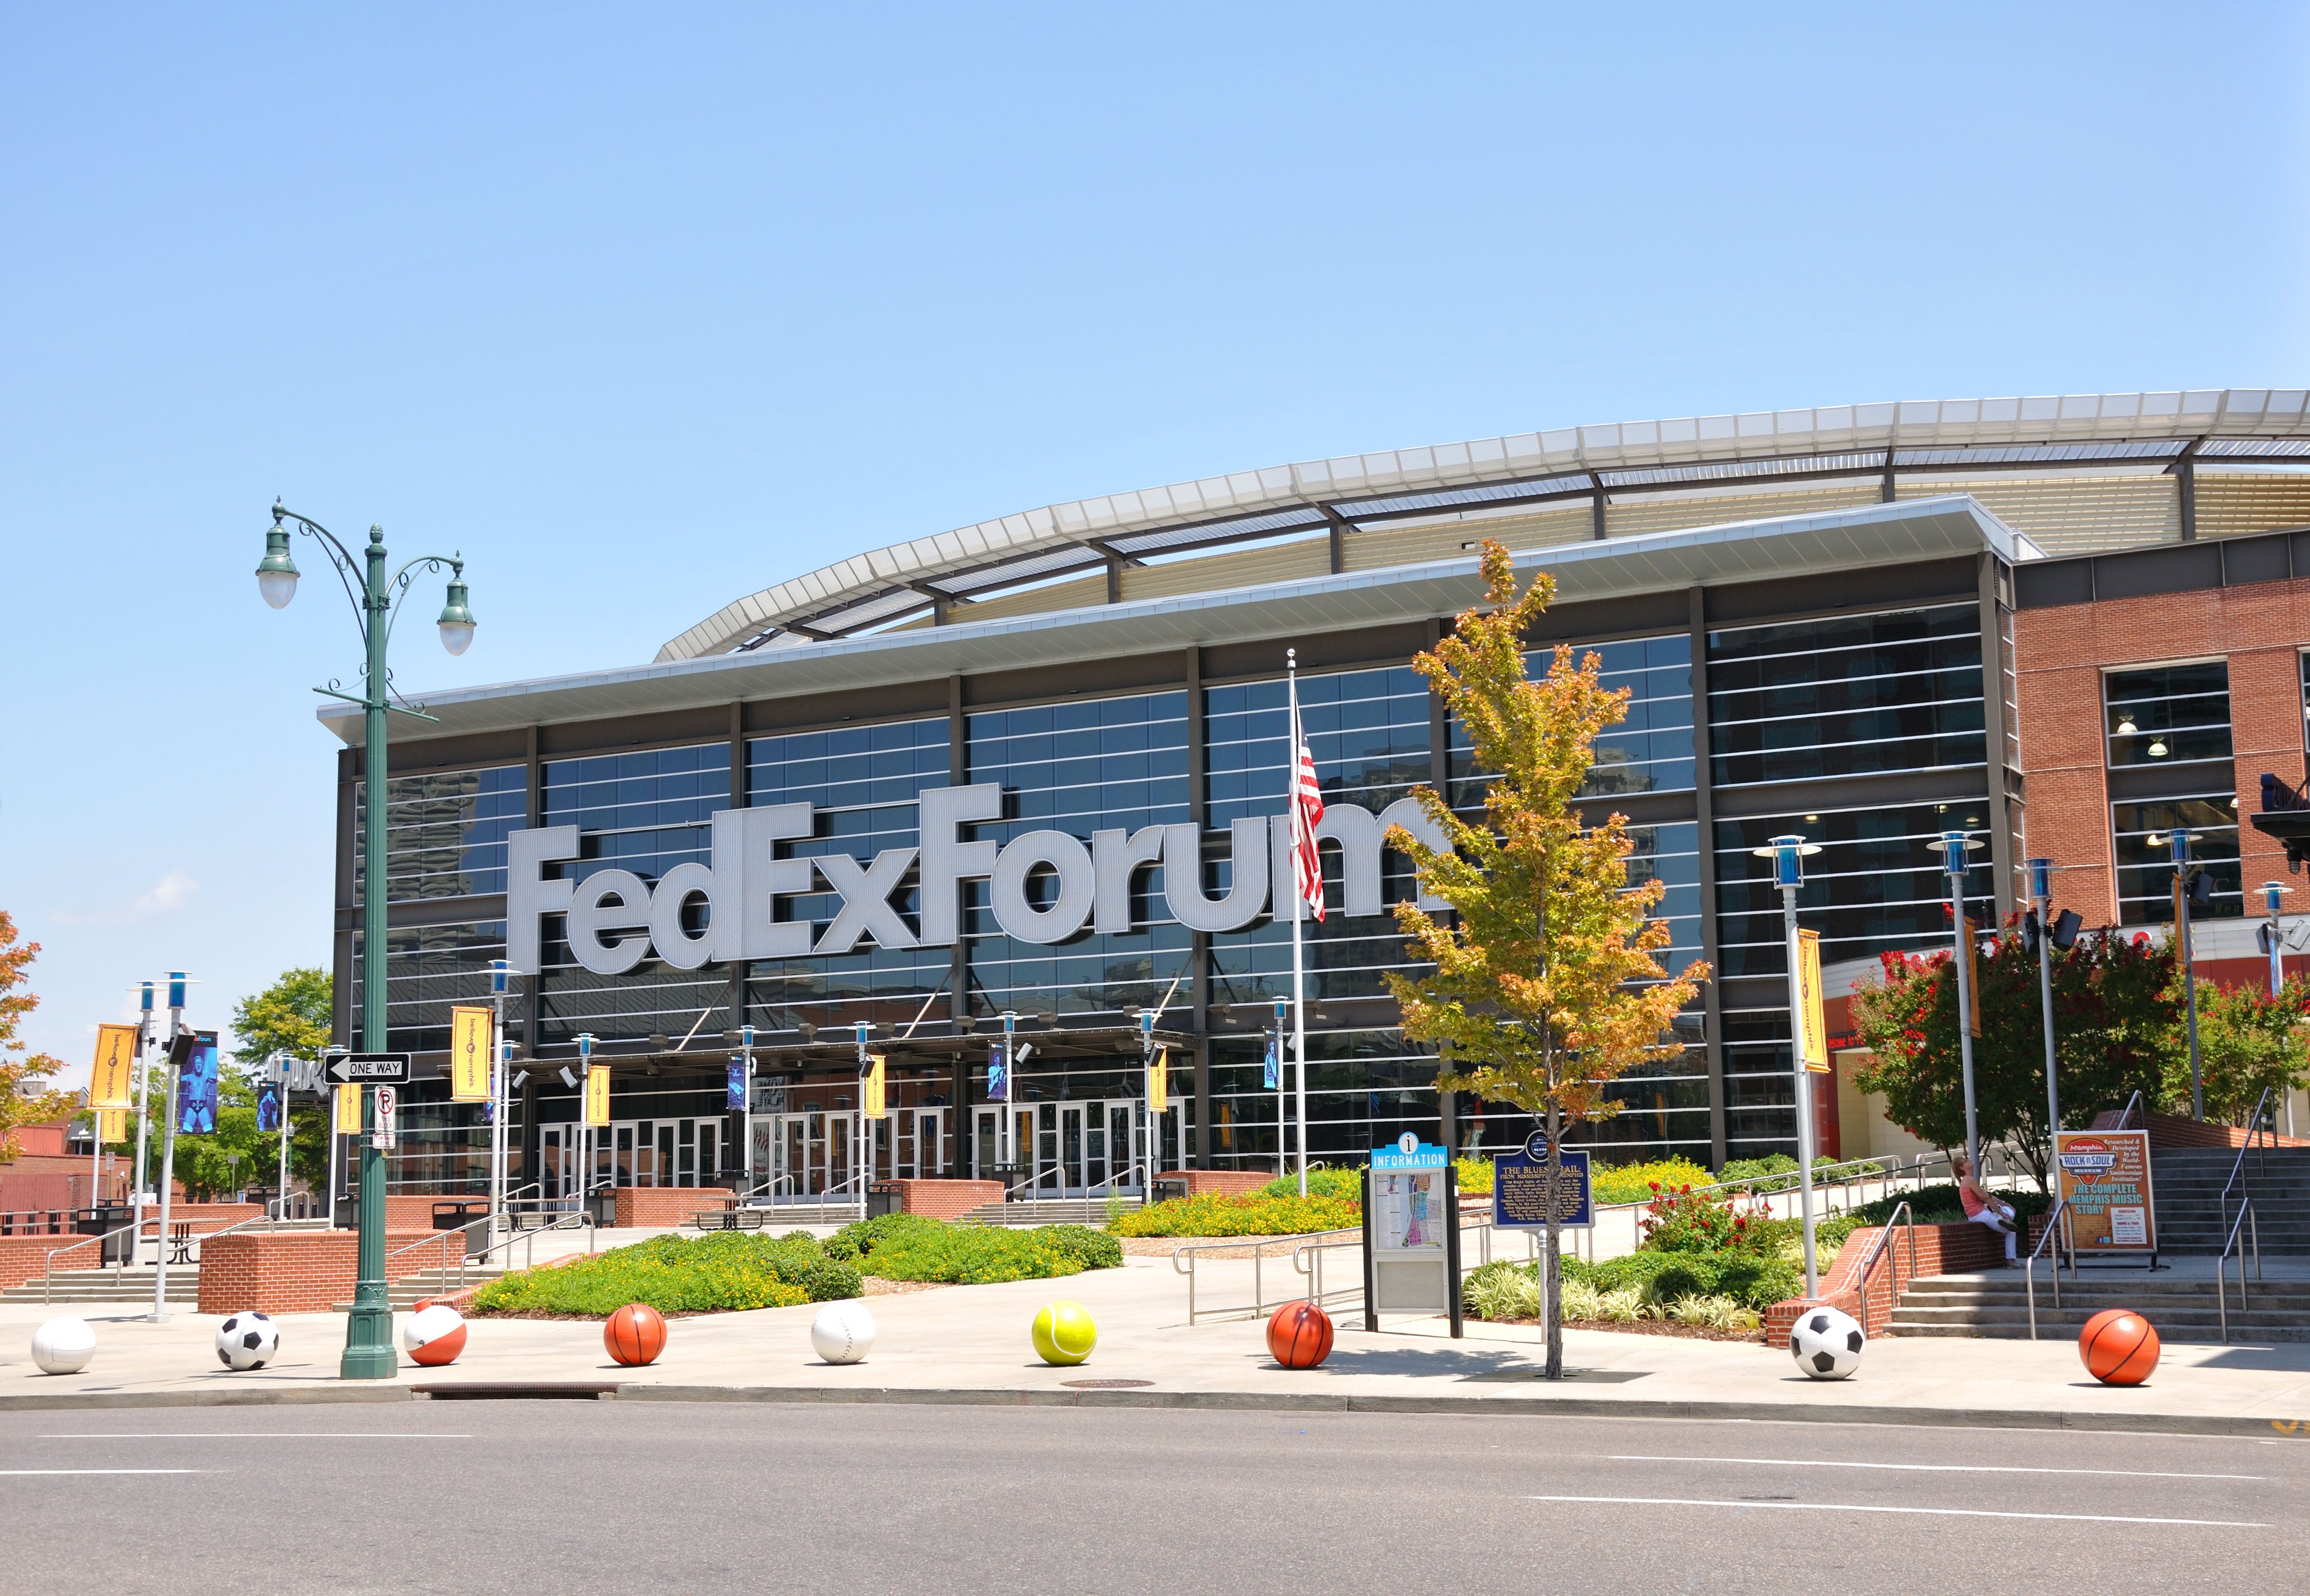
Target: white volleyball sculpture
843	1331
247	1341
1827	1343
64	1346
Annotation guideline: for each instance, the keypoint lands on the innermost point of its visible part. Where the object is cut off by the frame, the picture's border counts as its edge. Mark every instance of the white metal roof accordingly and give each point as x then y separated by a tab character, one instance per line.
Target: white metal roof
873	589
1913	530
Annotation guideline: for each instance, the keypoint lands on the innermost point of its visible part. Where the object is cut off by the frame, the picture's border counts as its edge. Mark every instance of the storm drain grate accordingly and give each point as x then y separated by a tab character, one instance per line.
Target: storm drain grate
519	1391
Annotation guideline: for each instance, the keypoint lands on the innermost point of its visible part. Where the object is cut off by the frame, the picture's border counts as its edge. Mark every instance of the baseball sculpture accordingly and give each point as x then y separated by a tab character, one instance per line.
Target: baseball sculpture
843	1331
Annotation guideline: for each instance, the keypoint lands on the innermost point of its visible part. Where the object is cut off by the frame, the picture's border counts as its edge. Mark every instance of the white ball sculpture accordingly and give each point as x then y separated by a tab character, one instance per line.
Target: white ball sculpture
843	1332
1826	1344
64	1346
247	1341
434	1335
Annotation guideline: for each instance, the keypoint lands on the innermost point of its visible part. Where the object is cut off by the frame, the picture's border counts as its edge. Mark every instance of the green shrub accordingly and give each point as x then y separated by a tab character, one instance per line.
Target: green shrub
1347	1184
1502	1289
1718	1313
915	1247
1634	1183
1211	1215
1938	1205
720	1272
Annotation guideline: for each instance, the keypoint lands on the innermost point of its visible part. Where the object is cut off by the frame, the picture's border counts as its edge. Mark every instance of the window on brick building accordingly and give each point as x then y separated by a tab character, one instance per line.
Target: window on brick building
2145	859
2159	715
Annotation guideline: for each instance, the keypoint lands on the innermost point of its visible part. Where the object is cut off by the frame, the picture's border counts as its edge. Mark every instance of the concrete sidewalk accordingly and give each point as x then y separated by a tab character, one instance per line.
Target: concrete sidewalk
970	1344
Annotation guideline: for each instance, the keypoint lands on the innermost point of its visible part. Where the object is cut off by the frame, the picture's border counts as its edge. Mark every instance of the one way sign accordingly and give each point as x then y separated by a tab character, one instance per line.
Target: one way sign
370	1069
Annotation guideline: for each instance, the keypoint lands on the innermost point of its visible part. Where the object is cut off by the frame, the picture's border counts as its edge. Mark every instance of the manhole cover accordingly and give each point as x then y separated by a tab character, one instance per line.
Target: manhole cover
1104	1384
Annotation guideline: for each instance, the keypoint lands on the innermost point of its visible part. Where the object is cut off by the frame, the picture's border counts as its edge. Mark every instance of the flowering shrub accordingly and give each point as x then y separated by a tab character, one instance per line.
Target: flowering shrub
1679	1220
1211	1215
1348	1185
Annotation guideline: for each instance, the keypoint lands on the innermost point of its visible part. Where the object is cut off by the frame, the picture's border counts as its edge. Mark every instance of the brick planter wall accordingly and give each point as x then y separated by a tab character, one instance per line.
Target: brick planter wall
1217	1183
944	1198
2176	1131
667	1205
307	1271
414	1211
1942	1250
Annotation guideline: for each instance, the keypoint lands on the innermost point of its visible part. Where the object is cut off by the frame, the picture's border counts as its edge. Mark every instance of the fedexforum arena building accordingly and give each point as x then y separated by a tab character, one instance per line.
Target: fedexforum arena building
1034	767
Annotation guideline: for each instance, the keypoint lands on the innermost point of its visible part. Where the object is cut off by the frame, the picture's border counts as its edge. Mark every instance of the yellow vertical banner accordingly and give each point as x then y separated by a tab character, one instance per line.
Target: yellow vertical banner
1812	1021
115	1068
111	1125
871	1092
349	1112
597	1094
469	1054
1972	977
1158	1082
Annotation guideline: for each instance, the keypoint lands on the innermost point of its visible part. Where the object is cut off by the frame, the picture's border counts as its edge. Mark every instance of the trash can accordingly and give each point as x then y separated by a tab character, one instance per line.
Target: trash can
103	1219
881	1198
602	1208
465	1214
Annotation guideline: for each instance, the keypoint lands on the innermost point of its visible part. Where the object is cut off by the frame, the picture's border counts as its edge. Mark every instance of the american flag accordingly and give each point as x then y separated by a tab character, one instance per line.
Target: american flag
1307	811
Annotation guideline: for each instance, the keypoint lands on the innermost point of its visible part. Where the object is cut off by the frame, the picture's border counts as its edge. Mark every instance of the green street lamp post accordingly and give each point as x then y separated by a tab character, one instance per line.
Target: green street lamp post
376	599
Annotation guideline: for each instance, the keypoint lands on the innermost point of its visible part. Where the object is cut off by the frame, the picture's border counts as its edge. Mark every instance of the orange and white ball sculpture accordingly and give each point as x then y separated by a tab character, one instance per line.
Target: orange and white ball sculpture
434	1335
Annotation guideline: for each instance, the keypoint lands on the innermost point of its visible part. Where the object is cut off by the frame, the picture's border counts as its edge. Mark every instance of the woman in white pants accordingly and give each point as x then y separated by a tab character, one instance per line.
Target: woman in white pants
1983	1207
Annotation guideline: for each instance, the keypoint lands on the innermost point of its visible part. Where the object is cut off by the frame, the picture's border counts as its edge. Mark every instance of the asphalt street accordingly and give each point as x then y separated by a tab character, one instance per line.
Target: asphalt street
629	1497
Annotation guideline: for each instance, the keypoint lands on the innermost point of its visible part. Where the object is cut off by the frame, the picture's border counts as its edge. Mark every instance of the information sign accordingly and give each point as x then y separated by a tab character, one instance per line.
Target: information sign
1411	1233
370	1069
469	1054
1520	1186
2105	1178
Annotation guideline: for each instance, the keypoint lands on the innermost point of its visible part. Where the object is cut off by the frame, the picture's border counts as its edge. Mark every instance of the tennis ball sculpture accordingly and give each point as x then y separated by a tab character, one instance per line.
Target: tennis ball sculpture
1063	1333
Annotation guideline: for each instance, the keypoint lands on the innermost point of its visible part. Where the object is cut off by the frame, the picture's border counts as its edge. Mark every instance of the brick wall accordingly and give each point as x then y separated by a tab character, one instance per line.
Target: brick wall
945	1199
1940	1250
667	1205
2173	1130
306	1271
1217	1183
2060	653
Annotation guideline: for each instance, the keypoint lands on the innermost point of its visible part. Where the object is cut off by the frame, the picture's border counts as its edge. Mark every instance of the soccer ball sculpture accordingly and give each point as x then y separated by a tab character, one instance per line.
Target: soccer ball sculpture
843	1332
434	1335
64	1346
247	1341
1063	1333
1299	1335
1826	1344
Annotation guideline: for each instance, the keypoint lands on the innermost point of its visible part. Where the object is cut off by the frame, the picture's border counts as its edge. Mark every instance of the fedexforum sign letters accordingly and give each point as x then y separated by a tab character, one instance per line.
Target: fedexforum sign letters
615	918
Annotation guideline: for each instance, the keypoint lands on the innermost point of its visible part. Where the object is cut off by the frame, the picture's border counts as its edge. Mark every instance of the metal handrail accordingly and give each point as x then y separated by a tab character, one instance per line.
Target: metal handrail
49	1262
1878	1248
1258	1252
2126	1113
2248	1218
2054	1228
2251	1144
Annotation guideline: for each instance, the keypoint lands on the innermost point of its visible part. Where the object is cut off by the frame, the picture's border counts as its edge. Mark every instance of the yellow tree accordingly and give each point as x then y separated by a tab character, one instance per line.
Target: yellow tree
1545	989
23	1102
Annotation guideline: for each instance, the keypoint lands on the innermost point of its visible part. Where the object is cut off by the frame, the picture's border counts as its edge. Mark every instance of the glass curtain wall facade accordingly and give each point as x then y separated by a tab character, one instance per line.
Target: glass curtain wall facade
2171	724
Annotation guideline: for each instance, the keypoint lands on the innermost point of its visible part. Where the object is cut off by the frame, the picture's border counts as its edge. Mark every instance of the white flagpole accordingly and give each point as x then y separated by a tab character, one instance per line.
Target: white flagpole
1298	979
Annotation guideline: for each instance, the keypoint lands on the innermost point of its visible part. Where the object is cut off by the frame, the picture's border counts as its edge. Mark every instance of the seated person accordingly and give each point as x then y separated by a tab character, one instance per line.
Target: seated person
1985	1207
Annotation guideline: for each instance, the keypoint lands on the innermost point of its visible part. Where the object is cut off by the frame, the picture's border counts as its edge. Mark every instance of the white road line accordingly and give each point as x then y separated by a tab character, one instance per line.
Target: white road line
254	1436
16	1471
2077	1518
1801	1462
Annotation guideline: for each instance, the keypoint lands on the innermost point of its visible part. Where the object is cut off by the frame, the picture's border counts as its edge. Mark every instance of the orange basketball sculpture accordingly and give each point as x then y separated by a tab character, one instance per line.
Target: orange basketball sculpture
635	1334
2119	1346
1299	1335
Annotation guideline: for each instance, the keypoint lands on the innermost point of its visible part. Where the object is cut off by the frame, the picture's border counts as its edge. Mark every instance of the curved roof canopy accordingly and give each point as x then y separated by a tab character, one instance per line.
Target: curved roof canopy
872	590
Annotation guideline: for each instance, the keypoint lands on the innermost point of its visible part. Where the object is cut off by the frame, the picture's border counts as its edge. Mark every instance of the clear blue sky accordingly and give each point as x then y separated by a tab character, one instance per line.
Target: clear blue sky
645	308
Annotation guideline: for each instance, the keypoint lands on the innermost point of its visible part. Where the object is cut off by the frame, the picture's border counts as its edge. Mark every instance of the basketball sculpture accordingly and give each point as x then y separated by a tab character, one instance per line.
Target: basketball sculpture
1299	1335
64	1346
635	1334
2119	1346
434	1335
843	1331
1063	1333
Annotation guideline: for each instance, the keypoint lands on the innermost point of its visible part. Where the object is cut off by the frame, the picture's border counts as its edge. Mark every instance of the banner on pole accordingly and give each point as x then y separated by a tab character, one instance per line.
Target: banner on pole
1273	1077
1973	977
1158	1082
268	1107
196	1083
349	1108
597	1094
112	1125
109	1081
998	1078
469	1054
734	1089
1813	1023
871	1094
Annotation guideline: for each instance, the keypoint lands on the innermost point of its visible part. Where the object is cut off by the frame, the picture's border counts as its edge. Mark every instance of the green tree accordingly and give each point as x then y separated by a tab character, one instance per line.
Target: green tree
2248	1043
24	1096
291	1016
1545	988
2114	1014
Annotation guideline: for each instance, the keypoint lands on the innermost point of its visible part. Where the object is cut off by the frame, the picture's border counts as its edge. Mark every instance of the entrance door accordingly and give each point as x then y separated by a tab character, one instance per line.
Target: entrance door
1074	1155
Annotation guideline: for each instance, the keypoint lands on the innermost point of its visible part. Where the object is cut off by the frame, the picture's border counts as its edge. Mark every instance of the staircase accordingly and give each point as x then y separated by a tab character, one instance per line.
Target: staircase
106	1285
2186	1183
408	1291
1998	1305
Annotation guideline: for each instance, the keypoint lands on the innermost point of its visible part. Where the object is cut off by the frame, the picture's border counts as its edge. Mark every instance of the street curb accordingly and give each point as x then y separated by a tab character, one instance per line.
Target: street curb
1531	1407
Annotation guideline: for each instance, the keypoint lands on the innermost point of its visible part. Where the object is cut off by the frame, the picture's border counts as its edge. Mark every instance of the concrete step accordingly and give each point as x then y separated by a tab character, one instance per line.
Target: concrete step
105	1285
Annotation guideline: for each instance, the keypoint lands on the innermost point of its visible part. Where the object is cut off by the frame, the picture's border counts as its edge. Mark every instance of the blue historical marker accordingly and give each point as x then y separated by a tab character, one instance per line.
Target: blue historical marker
1520	1188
